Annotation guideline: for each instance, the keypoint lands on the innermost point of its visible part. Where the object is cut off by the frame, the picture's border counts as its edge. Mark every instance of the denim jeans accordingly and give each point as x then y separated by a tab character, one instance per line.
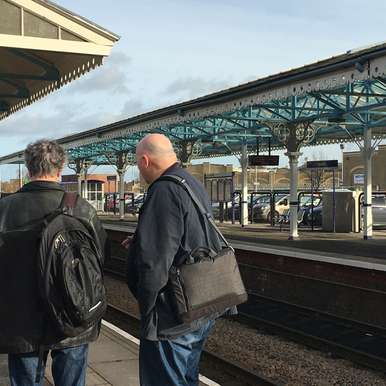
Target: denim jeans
172	362
68	367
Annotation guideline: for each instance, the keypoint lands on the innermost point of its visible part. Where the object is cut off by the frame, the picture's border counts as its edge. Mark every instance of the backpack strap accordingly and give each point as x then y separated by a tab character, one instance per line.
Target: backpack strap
69	202
203	212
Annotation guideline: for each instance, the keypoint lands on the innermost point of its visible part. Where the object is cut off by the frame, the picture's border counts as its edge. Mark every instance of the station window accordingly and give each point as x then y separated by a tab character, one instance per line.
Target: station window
37	27
10	18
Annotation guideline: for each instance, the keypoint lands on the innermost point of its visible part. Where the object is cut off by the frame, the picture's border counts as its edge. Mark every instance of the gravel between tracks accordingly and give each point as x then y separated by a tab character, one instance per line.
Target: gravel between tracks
272	356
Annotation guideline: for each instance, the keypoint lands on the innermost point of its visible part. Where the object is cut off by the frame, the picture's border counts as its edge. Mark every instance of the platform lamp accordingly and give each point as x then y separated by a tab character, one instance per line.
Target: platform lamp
341	173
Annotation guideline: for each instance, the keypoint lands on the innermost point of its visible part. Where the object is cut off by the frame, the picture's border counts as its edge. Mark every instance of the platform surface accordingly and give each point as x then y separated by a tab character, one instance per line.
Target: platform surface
348	247
113	361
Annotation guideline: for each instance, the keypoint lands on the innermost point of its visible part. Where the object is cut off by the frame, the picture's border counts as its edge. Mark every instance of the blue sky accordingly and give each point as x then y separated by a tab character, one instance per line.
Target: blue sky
174	50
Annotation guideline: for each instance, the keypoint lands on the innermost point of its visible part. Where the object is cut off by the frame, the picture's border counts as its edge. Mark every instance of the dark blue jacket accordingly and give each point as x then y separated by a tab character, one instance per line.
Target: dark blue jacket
169	227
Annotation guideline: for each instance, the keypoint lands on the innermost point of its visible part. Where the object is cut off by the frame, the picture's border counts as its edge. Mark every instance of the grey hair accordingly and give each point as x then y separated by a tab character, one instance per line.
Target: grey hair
44	158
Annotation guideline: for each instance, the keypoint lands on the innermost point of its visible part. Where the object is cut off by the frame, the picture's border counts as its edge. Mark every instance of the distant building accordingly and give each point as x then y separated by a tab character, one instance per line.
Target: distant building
354	172
97	186
10	186
259	178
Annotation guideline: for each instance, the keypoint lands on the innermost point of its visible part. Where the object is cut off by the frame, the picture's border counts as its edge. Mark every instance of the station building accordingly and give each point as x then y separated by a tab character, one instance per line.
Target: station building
354	171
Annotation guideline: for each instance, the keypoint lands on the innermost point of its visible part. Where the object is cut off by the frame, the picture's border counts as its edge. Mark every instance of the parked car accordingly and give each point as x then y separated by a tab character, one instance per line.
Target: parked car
257	199
379	211
134	206
262	210
306	208
316	214
378	207
109	202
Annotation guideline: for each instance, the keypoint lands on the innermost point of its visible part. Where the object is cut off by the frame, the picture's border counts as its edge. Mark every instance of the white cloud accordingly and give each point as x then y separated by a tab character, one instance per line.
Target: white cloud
112	77
131	108
193	87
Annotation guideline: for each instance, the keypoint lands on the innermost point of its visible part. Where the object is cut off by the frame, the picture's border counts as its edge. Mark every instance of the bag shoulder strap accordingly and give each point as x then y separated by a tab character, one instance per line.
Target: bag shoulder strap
203	212
69	202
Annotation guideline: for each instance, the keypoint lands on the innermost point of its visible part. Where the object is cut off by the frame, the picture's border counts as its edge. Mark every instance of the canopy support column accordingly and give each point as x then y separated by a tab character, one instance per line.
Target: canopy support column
293	135
293	158
186	151
85	186
367	152
121	189
244	187
79	180
122	163
80	168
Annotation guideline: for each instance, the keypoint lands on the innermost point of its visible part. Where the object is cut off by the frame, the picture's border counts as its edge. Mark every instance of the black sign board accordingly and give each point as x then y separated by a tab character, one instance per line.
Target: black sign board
322	164
263	160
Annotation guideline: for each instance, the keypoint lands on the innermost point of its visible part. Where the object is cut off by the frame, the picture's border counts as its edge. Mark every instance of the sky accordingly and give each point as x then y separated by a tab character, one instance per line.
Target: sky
175	50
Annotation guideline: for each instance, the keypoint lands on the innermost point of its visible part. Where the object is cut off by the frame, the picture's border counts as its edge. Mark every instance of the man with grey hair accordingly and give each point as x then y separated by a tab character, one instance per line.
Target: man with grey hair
23	323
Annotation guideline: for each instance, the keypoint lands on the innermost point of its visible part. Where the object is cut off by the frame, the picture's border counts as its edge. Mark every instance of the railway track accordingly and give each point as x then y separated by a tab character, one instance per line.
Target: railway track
360	343
213	366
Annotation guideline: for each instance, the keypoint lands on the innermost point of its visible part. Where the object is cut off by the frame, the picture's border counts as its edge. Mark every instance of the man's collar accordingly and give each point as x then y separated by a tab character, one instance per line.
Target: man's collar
41	185
169	170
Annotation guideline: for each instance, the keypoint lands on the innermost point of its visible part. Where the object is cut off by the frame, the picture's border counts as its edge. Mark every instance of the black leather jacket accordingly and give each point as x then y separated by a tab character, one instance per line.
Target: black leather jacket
32	202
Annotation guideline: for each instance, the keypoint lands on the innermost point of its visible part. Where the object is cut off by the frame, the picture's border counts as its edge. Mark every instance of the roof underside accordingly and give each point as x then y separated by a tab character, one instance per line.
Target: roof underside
43	47
340	97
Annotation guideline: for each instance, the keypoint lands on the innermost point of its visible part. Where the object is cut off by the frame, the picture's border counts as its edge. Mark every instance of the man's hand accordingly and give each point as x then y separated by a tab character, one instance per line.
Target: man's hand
126	242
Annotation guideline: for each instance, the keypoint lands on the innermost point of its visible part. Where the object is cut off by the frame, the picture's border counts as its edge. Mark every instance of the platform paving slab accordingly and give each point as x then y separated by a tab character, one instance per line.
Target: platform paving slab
337	244
4	380
113	361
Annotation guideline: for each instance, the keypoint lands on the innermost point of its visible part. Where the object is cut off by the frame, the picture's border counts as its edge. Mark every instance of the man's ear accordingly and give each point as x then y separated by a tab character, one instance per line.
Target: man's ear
146	160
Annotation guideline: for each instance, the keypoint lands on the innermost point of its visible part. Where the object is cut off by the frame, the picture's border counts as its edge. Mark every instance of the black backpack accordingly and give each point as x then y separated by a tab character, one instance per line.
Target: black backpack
70	273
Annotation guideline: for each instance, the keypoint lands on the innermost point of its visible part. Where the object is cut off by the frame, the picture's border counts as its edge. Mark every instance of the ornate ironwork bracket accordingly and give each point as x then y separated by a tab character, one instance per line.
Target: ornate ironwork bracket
293	135
121	160
188	150
80	166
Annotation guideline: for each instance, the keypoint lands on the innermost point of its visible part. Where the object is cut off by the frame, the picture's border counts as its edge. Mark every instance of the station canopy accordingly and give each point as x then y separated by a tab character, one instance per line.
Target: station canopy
43	47
331	101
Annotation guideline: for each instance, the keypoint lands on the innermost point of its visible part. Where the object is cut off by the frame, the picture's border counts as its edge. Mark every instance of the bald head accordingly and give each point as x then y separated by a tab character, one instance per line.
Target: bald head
155	154
156	146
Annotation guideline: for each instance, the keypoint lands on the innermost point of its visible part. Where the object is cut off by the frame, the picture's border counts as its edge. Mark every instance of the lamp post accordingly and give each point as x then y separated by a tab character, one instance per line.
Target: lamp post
342	170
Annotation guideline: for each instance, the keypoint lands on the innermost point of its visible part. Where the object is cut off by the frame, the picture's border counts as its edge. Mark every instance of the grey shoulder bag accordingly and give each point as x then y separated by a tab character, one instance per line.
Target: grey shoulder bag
208	282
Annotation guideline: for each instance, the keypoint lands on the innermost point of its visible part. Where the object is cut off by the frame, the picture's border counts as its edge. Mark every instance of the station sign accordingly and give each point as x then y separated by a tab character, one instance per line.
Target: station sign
263	160
322	164
359	179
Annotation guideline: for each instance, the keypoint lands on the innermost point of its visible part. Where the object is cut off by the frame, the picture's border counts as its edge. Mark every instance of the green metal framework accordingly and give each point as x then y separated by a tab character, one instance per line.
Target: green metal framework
339	115
331	101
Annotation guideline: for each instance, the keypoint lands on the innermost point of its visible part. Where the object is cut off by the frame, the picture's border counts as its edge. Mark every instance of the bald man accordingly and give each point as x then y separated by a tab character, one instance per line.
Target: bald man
169	228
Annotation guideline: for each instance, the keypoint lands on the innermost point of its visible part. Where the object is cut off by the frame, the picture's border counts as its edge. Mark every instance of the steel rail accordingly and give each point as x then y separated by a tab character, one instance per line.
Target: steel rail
359	342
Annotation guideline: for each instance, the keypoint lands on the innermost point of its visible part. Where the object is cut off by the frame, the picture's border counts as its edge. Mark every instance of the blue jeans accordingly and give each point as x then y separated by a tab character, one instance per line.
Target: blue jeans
172	362
68	367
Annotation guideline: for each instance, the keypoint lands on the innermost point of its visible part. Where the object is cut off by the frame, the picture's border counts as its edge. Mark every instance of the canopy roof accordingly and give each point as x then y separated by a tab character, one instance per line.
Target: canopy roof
42	47
339	97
